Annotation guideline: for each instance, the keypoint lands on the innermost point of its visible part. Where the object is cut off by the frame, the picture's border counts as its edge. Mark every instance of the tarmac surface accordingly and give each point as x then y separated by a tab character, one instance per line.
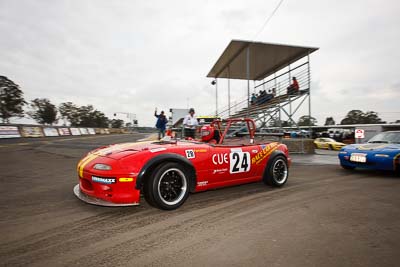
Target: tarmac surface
323	216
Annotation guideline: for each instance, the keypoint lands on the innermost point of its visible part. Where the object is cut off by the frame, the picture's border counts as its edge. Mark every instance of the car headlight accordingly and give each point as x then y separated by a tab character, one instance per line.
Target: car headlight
381	155
102	167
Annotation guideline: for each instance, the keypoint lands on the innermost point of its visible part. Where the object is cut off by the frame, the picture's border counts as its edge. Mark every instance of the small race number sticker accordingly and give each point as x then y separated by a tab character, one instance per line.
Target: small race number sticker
190	154
239	162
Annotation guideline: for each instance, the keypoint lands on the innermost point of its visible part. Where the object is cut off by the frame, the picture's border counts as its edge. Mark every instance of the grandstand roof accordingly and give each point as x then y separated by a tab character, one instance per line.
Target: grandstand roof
265	59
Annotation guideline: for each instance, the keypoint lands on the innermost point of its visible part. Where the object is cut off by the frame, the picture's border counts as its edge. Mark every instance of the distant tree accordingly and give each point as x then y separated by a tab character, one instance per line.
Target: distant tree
359	117
353	117
397	121
117	123
371	117
306	121
43	111
11	100
69	112
276	123
89	117
99	119
329	121
85	116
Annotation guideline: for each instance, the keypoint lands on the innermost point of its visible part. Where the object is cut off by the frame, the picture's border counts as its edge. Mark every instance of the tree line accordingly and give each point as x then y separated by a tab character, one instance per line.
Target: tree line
44	112
12	104
353	117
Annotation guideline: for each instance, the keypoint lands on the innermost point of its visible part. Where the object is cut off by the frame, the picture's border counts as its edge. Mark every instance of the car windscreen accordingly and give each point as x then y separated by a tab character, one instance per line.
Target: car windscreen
386	137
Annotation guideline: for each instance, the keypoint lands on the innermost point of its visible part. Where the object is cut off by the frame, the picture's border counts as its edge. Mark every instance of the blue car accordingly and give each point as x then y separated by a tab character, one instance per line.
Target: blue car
382	152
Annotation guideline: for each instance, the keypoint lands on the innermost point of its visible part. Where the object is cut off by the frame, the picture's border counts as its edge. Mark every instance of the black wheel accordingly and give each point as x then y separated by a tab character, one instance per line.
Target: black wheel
167	187
330	147
347	167
397	171
277	172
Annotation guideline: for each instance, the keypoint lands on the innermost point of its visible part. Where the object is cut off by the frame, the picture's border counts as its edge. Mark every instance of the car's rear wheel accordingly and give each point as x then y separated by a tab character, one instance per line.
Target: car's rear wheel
330	147
277	172
168	186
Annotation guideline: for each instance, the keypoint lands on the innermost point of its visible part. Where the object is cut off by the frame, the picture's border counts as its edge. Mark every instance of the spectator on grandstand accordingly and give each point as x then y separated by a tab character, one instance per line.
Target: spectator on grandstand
270	95
265	97
189	123
161	123
253	99
294	87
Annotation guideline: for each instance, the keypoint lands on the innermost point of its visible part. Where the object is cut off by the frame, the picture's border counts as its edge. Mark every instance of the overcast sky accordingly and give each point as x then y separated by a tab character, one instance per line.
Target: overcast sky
133	56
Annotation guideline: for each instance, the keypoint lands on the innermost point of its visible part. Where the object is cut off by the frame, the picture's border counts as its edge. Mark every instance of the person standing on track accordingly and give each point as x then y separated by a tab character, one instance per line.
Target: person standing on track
189	123
161	123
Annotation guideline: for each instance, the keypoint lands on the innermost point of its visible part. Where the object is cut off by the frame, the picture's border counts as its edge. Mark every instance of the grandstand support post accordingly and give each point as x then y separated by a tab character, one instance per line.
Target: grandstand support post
248	79
216	97
229	92
290	82
309	90
279	104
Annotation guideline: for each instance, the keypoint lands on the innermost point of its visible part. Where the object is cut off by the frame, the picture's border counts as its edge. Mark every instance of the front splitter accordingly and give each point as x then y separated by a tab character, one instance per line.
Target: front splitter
99	202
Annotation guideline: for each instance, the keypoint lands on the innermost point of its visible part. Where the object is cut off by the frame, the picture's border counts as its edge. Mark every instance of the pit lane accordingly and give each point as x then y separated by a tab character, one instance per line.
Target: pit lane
324	216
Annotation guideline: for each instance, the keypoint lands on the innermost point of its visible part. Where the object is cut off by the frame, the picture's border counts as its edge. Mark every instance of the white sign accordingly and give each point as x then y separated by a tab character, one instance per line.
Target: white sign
359	133
239	162
75	131
9	132
50	131
83	131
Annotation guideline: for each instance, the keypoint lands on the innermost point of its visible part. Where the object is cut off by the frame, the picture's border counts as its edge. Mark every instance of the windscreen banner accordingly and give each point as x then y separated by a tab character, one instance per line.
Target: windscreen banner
48	131
63	131
83	131
9	132
75	131
31	131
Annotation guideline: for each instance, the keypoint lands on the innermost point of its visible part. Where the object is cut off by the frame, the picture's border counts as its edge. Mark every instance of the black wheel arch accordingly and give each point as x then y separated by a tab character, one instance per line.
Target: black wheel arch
150	165
270	160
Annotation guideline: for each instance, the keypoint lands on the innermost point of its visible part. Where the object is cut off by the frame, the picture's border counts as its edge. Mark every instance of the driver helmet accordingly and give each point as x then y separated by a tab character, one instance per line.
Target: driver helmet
207	133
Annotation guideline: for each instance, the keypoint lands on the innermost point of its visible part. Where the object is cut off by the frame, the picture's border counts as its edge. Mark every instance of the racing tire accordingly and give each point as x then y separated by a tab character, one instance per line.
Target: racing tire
167	187
347	167
397	171
277	172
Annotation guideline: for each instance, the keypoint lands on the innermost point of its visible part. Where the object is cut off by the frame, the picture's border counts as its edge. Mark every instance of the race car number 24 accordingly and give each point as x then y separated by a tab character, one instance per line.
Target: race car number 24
239	162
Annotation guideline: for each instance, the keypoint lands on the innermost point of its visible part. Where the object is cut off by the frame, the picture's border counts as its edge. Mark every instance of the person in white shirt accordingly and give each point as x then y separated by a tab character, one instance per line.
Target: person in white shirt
189	123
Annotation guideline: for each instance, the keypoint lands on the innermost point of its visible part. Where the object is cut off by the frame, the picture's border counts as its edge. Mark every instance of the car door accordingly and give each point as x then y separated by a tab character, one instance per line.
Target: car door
229	163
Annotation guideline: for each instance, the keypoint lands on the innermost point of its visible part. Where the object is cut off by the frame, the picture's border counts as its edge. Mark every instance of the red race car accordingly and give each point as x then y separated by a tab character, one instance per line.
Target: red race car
167	171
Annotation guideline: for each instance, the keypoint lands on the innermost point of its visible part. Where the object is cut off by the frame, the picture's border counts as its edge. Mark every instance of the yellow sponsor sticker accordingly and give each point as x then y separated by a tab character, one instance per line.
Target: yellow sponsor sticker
125	179
264	153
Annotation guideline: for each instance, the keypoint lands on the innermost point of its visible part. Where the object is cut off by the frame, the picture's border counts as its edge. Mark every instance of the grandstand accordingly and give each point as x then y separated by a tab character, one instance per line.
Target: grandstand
270	66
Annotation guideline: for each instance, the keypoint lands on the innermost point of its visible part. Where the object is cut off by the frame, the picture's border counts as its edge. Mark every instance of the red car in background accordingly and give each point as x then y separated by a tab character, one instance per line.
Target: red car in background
167	171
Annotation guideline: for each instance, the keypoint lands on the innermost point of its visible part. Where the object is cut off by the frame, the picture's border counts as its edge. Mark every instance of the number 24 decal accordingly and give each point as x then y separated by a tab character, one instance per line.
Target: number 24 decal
239	162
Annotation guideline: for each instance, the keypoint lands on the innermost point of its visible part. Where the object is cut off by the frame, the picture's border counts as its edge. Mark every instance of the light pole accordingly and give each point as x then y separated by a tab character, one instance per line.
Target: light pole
130	116
214	82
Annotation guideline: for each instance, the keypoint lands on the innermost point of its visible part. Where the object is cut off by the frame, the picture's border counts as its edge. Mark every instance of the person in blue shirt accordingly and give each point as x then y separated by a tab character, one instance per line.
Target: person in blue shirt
161	123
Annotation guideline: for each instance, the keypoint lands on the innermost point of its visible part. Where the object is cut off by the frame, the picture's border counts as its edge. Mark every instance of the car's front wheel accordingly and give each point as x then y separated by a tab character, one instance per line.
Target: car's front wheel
346	167
277	172
168	186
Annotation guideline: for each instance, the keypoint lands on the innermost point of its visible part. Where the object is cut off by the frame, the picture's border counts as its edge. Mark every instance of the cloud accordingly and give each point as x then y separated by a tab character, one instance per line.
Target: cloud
133	56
